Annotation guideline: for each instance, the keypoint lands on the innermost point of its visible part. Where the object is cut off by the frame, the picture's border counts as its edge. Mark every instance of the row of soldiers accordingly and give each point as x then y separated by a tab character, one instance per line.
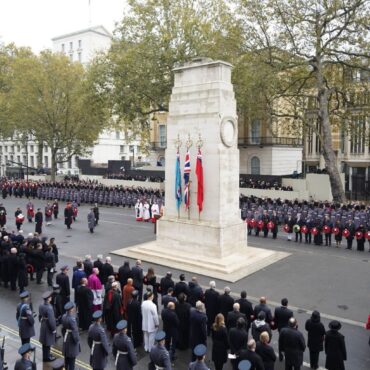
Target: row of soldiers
81	192
314	221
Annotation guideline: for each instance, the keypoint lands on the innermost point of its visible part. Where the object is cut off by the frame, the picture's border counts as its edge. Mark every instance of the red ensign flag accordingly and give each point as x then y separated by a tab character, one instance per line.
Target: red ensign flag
199	173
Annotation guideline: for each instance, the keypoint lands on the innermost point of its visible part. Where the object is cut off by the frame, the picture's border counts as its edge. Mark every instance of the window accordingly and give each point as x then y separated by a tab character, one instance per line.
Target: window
342	140
118	135
162	136
12	158
46	161
18	158
25	160
32	160
69	163
309	140
13	148
121	148
6	158
358	134
1	149
6	149
132	148
61	165
71	46
45	148
79	55
31	148
63	48
255	166
256	132
79	44
18	148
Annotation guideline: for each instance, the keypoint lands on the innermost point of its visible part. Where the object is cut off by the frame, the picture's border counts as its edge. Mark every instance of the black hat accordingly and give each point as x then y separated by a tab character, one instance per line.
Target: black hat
335	325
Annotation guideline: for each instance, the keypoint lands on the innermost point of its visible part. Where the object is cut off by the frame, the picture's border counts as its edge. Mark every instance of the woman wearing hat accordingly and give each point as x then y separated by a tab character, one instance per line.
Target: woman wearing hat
335	347
316	334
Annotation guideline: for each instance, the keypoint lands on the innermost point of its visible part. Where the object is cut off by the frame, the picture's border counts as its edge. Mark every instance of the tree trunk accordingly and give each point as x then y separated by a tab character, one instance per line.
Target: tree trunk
327	147
53	164
40	153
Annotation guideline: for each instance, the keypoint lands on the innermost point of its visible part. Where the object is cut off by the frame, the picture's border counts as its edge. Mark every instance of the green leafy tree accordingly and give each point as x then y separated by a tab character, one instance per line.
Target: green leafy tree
153	37
50	99
310	44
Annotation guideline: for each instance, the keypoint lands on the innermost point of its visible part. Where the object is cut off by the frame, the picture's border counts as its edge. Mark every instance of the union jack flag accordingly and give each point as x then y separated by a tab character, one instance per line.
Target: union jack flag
187	171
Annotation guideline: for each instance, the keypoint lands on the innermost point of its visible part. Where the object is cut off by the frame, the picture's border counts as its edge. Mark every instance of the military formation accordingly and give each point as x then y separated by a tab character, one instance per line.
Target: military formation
308	222
80	192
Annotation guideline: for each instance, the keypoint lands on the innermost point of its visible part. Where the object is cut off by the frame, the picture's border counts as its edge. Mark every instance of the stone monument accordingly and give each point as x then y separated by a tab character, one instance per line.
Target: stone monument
202	114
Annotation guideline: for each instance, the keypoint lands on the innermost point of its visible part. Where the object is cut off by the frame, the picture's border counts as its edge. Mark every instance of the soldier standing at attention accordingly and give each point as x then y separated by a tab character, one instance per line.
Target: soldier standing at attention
25	318
123	349
25	363
48	327
159	356
97	341
71	337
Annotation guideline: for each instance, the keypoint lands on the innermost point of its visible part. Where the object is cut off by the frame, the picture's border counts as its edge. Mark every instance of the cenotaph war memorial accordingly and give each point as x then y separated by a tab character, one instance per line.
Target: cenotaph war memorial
201	230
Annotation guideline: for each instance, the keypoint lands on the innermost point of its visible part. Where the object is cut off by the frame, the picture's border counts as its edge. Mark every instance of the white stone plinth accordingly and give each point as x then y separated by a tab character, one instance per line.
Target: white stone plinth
214	243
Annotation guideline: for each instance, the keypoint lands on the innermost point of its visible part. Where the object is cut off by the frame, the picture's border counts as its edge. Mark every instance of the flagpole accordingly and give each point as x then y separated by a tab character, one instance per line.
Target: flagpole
177	146
199	146
189	144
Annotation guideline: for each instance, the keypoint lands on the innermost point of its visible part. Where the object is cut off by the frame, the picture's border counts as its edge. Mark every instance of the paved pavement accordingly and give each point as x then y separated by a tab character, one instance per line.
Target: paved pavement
334	281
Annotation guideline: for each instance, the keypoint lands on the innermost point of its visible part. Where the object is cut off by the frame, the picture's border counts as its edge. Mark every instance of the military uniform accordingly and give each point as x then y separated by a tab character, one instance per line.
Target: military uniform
25	363
25	320
97	341
159	356
124	352
71	338
47	329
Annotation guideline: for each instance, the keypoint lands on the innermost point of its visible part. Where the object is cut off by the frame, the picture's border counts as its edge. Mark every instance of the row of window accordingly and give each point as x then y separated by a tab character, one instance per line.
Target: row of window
13	148
79	43
22	160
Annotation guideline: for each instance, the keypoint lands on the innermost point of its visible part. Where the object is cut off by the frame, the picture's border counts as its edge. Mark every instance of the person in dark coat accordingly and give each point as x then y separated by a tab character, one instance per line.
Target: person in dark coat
315	342
195	292
71	337
220	342
251	355
39	218
68	215
124	273
225	302
262	306
246	308
335	347
293	345
198	326
138	279
265	351
233	316
169	297
259	326
96	214
25	319
106	271
39	262
13	268
181	287
48	327
150	280
62	280
134	320
183	313
98	343
281	318
171	324
238	338
84	301
166	282
112	308
211	297
88	265
122	349
22	272
199	353
99	265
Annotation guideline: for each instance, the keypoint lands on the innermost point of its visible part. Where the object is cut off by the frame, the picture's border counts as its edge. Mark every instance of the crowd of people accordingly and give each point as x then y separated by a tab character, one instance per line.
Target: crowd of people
245	182
120	312
135	177
308	221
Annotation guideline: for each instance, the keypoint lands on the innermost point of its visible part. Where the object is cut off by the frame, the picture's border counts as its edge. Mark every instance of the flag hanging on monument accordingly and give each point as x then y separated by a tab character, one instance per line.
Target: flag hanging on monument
187	180
178	188
199	173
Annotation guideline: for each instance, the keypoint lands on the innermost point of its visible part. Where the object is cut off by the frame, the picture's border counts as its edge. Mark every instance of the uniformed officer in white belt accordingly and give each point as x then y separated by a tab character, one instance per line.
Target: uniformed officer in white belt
159	356
123	349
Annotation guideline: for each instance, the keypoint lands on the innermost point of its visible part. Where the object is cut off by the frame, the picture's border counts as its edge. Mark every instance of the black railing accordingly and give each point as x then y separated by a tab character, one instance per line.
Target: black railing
268	141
